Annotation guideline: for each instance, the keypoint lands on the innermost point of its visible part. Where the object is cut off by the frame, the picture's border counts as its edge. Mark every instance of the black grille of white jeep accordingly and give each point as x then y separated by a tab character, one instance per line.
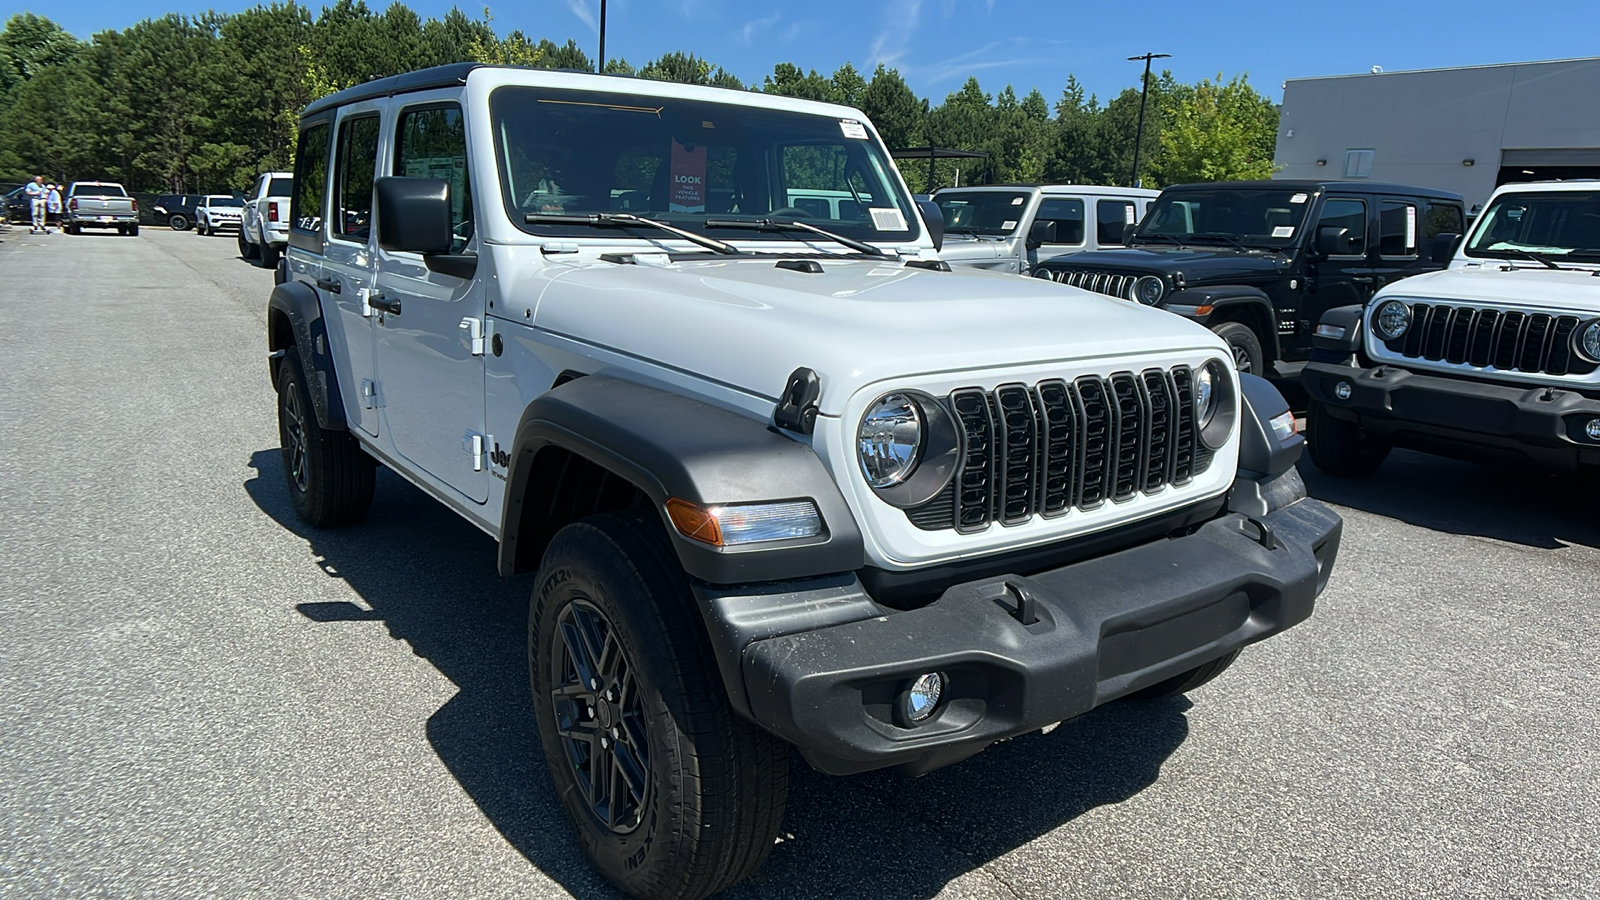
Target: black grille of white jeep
1114	284
1488	338
1047	448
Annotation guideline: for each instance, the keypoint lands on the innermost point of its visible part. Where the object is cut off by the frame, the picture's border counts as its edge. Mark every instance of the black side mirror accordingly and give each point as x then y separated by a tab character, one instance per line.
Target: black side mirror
414	215
1043	232
933	217
1333	240
1127	233
1442	246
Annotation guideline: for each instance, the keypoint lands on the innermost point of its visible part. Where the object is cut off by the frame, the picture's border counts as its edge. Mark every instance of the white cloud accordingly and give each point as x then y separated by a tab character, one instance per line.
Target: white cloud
585	10
755	27
894	38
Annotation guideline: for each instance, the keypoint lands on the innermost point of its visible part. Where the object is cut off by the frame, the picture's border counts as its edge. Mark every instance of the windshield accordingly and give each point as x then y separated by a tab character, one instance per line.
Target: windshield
683	161
1553	223
223	201
280	187
1256	217
981	212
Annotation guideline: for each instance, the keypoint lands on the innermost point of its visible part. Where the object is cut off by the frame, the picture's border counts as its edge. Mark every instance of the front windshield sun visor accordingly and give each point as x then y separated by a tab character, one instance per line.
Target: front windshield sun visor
571	160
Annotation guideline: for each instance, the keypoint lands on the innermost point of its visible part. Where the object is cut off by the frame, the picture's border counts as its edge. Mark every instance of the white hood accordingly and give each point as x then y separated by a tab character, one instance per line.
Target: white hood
749	324
1525	285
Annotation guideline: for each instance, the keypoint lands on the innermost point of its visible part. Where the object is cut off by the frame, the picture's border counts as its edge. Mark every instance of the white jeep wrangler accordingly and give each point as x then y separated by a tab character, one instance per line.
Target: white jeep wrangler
1494	359
784	476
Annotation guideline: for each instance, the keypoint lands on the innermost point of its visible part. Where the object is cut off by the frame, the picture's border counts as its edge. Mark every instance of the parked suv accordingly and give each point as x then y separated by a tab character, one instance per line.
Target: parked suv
784	479
1259	262
218	212
1010	227
177	210
1496	359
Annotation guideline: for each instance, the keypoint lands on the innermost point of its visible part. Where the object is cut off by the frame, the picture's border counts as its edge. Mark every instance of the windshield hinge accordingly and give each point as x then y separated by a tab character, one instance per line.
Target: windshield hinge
475	333
472	445
552	247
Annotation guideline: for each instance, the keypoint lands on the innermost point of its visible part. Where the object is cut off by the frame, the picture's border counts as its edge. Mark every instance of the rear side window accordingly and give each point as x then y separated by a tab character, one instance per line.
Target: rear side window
1399	223
356	165
1350	215
431	142
280	187
1067	214
311	177
1444	218
1111	217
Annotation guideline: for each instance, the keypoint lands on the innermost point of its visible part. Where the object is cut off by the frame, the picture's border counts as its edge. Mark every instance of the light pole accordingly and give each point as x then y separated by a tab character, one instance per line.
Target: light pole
601	67
1144	90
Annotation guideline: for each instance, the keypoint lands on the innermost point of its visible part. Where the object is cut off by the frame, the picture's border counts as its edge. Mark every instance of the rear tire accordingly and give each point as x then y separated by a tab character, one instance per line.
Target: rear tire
178	223
1341	448
330	478
1245	346
133	230
670	794
1188	681
268	254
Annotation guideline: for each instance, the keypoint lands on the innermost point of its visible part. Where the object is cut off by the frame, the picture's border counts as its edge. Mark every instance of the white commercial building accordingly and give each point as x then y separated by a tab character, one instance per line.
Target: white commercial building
1465	130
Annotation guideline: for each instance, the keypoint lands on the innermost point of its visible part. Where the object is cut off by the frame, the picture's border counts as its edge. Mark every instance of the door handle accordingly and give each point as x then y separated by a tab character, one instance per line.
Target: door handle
1361	279
384	304
331	285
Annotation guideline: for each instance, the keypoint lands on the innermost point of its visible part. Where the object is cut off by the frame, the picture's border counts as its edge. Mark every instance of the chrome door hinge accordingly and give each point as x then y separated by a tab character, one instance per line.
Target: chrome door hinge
472	445
475	333
366	306
369	394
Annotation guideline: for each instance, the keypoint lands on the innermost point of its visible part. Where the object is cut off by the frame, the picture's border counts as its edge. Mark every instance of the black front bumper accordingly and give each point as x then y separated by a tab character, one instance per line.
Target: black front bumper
1463	418
1104	628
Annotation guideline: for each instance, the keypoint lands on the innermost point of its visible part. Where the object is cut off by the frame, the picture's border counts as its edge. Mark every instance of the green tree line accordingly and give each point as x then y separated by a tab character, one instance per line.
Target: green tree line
203	103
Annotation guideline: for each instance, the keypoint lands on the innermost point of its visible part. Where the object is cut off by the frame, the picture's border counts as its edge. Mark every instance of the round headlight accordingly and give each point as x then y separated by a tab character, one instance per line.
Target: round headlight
888	439
1391	320
1149	290
1214	403
1205	395
1586	341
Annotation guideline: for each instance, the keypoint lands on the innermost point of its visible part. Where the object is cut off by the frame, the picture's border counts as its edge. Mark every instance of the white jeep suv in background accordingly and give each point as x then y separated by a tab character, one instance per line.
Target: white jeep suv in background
1011	227
785	478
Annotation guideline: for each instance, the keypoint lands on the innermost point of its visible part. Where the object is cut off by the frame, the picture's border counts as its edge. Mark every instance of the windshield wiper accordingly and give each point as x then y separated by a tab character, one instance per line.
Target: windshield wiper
624	220
1208	238
1164	237
792	225
1539	258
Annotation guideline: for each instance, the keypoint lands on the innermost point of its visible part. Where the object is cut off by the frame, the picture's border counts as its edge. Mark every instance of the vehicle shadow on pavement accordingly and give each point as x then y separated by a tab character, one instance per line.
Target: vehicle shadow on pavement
429	577
1518	506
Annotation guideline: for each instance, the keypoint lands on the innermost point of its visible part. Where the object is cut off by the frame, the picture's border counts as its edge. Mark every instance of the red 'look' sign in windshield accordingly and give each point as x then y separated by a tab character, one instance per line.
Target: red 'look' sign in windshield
688	191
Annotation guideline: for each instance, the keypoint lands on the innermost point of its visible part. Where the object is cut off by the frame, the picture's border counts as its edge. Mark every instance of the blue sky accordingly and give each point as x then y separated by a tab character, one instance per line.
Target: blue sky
937	44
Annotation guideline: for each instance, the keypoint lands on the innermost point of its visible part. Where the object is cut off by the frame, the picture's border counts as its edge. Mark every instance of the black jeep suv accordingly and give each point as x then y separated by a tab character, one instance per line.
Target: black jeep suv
1258	262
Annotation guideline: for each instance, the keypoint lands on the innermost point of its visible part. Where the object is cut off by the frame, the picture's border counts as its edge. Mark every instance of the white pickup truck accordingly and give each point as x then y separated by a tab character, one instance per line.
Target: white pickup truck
265	229
100	204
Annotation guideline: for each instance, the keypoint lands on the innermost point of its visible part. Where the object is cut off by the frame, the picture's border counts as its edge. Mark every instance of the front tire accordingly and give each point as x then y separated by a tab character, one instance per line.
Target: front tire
670	795
1245	346
268	255
330	478
1339	447
247	250
200	227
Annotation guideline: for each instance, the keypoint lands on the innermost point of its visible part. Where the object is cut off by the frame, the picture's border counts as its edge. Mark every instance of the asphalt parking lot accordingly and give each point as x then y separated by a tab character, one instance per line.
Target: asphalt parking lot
200	697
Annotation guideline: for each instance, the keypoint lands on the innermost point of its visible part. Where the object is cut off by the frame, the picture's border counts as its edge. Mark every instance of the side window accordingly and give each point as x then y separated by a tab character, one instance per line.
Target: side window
1444	218
1399	223
310	179
1110	217
1350	215
431	142
1067	214
355	164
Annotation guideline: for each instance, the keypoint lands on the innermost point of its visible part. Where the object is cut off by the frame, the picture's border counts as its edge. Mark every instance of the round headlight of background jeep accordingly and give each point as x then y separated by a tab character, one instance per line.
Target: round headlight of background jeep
1149	290
1215	403
1391	319
908	448
1586	341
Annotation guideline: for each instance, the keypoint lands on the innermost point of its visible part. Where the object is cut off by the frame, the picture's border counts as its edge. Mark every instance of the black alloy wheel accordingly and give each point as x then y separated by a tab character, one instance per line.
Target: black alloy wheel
178	222
294	439
599	717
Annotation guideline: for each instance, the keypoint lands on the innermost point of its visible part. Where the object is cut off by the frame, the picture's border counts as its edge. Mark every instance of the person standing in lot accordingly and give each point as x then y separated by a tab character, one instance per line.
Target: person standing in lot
53	206
37	199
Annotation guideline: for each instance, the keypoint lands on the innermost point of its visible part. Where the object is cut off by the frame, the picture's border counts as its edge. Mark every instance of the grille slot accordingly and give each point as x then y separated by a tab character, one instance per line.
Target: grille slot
1492	339
1046	449
1112	284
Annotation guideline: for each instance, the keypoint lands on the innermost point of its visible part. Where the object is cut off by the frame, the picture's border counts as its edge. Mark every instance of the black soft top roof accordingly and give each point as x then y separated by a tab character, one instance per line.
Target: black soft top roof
1306	184
451	75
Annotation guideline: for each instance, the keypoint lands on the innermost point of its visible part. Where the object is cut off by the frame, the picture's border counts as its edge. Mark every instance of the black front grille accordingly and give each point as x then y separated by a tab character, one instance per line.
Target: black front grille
1114	284
1044	449
1492	339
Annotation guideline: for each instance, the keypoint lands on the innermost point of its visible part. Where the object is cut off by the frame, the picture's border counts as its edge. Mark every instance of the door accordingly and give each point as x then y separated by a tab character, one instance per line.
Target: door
1058	225
1402	244
1111	218
1342	278
430	371
346	277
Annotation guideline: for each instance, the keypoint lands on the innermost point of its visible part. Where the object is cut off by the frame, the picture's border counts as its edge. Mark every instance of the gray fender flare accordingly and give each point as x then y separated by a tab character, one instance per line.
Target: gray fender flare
669	445
298	303
1267	479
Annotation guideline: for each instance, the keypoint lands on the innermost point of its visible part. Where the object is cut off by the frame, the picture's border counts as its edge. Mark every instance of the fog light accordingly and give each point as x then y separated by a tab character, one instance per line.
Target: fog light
1330	331
1283	427
1342	390
1592	429
922	698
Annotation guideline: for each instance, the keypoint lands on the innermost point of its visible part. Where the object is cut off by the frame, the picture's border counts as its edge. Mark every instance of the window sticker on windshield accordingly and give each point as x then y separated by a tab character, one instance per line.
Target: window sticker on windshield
1127	214
1298	198
1283	231
887	219
853	129
1008	224
1016	201
688	191
1411	228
